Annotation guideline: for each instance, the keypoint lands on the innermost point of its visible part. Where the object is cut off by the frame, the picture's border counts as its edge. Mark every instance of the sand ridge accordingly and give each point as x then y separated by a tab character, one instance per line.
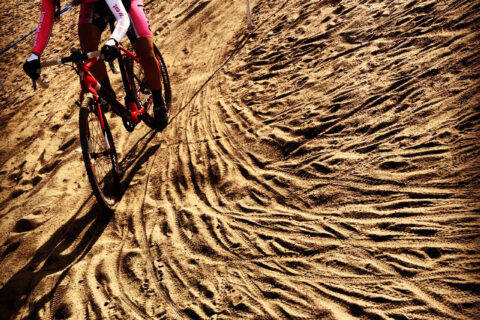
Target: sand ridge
322	166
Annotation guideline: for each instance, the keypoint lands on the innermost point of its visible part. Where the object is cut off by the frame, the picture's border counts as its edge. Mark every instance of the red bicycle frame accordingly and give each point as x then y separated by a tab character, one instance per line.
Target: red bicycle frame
132	113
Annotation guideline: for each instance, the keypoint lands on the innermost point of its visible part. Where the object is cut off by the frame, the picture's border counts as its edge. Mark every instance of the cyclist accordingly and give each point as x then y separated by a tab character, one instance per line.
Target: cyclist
94	17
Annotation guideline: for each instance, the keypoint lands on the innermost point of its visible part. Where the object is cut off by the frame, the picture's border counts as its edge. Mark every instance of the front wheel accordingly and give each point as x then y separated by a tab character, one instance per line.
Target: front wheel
99	155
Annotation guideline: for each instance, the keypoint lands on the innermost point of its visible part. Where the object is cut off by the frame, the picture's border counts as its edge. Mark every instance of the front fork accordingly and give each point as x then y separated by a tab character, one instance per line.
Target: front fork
93	87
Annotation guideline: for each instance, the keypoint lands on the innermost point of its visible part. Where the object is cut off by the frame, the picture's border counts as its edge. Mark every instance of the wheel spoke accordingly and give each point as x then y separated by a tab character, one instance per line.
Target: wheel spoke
101	157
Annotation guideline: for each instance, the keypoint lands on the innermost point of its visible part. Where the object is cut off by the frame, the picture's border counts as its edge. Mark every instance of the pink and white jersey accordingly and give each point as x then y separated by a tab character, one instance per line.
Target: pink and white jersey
136	15
90	10
121	15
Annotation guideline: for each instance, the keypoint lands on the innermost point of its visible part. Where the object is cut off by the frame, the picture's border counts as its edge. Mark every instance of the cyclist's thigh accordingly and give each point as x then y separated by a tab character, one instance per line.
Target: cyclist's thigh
140	27
143	47
89	35
96	13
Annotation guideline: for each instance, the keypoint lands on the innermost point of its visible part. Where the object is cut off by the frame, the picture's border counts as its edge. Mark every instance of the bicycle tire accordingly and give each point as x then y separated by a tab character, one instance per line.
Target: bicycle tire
133	85
167	90
144	94
99	157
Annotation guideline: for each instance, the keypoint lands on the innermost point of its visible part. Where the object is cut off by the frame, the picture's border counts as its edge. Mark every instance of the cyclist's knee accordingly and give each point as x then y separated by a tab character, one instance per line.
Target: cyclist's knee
144	48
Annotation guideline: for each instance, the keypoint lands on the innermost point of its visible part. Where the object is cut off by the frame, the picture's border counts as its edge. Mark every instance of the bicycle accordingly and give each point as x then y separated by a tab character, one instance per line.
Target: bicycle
98	148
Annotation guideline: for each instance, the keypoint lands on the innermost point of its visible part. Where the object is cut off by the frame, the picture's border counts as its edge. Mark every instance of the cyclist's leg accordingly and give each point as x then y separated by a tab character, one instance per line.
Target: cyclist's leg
89	33
144	49
141	37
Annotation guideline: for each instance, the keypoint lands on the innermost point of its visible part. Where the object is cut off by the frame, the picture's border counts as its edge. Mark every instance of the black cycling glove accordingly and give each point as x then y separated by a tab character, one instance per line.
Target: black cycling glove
110	50
32	67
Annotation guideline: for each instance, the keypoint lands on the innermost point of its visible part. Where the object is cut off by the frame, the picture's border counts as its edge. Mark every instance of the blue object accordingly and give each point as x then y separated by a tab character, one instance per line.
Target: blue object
14	44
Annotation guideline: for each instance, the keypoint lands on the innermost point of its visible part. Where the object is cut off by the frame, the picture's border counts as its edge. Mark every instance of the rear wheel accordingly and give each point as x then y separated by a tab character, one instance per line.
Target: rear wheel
99	155
144	92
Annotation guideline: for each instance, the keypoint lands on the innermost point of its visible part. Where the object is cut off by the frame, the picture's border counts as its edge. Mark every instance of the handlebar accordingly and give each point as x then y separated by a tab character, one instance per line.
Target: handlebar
75	57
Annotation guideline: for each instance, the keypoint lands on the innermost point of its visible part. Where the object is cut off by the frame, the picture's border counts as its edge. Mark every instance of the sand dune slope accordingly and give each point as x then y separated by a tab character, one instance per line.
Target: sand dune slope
324	165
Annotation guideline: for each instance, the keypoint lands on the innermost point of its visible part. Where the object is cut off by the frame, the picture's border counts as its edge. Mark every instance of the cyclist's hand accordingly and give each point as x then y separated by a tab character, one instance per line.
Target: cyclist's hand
32	67
109	50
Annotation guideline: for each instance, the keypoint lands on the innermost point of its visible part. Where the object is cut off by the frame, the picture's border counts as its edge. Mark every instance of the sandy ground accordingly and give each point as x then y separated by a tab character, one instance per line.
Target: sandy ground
325	165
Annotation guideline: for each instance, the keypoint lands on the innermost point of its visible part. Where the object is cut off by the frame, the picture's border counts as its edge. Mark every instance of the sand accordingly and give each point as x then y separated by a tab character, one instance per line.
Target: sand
324	165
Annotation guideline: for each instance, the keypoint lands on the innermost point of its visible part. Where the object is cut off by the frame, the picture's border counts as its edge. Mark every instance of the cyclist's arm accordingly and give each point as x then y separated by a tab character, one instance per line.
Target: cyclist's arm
123	21
44	28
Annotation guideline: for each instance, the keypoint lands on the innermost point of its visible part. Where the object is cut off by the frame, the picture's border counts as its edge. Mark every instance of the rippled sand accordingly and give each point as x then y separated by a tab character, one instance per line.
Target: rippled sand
325	165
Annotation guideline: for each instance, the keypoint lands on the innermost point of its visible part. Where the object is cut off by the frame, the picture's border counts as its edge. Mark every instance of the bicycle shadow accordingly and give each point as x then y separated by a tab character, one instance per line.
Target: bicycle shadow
135	158
50	258
77	236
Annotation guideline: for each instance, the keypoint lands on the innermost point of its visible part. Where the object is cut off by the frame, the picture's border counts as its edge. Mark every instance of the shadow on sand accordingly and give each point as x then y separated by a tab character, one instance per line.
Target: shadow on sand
69	244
